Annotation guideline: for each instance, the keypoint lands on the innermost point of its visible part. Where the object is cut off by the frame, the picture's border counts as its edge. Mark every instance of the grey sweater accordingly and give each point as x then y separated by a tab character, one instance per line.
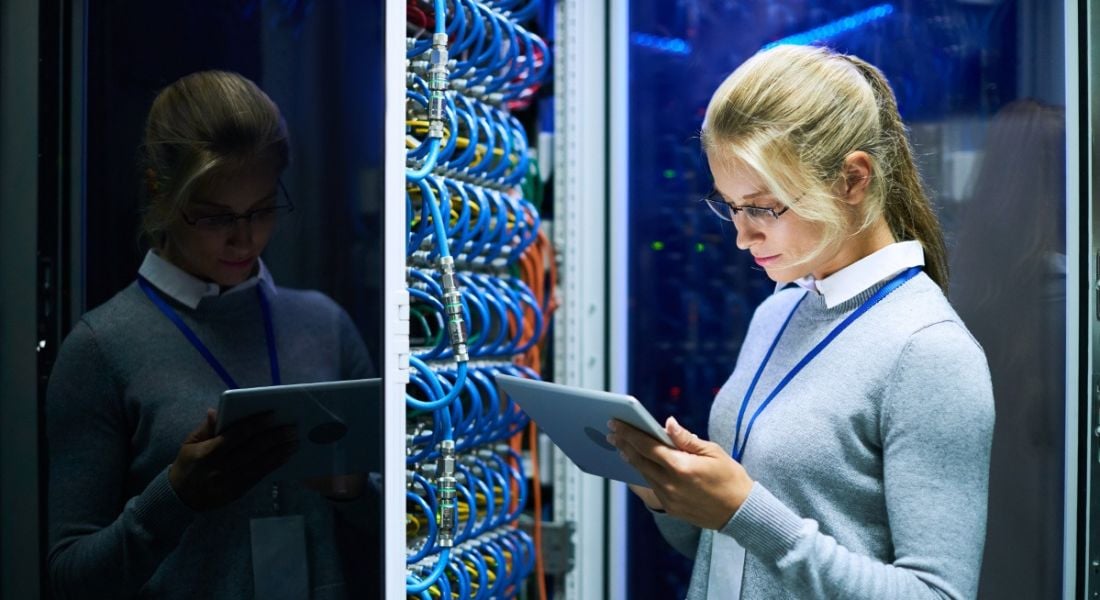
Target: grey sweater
126	390
871	466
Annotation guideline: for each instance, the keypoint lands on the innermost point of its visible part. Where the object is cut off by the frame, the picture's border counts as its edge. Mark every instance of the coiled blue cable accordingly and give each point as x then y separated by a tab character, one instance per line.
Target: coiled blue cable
415	586
432	532
429	162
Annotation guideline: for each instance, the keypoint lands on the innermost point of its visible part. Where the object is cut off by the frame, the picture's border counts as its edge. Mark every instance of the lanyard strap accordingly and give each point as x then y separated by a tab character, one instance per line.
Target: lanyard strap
739	448
269	333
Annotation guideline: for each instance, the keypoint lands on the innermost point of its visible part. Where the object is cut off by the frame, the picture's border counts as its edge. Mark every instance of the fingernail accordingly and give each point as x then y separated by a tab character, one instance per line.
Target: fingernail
611	424
674	424
610	438
622	455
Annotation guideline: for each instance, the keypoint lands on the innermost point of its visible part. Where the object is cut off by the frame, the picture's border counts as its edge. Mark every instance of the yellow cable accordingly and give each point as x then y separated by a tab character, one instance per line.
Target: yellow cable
461	142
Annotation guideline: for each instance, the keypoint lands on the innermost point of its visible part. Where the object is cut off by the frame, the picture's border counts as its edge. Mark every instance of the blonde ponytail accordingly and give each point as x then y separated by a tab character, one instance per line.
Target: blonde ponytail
907	208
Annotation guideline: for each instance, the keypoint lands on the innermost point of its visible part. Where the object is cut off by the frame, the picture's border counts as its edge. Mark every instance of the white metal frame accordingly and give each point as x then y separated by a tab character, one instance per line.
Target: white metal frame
396	310
619	264
580	159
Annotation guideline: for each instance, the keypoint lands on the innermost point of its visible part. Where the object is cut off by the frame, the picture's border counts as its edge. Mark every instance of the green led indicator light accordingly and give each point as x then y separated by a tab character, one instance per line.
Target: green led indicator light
657	246
699	247
670	173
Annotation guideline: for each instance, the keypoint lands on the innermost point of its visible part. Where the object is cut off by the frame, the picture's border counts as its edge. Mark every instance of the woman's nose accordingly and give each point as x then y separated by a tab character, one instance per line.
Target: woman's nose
747	235
241	232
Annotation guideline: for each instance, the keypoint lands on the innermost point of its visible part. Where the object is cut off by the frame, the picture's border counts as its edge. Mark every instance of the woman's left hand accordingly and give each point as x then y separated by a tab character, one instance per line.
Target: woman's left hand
697	481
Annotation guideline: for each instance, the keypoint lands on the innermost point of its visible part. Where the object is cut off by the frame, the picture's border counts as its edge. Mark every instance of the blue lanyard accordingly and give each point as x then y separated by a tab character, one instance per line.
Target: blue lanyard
739	448
269	333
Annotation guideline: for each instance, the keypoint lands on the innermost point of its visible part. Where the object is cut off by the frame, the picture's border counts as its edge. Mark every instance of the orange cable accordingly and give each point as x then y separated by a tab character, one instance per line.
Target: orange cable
533	445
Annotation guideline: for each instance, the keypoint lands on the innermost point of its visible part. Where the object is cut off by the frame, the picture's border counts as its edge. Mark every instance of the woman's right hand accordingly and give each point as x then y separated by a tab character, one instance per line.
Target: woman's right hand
647	496
211	471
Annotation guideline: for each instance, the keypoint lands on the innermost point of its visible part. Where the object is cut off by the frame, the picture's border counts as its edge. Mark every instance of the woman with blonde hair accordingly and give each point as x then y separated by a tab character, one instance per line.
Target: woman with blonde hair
146	499
849	451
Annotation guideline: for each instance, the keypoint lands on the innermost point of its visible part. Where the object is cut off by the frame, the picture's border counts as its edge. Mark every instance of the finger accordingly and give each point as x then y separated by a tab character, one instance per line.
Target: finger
241	432
258	446
246	477
684	439
205	430
654	473
624	433
642	442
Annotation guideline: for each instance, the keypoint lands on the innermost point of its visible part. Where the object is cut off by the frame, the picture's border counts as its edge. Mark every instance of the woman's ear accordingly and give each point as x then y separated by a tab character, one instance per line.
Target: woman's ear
857	177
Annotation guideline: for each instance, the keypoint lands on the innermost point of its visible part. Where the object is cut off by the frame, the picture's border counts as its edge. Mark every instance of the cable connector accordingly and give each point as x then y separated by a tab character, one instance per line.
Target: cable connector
437	83
452	303
448	510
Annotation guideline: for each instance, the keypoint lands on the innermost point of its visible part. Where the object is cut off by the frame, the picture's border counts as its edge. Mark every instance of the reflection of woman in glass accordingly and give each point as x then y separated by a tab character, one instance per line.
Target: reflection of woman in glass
1010	286
859	413
132	512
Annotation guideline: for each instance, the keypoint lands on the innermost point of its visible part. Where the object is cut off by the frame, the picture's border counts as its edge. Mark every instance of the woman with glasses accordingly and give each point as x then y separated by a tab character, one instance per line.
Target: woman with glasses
849	449
145	499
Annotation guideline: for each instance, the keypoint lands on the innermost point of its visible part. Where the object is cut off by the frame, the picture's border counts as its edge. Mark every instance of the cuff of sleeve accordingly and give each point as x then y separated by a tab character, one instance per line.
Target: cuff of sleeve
764	525
160	511
660	517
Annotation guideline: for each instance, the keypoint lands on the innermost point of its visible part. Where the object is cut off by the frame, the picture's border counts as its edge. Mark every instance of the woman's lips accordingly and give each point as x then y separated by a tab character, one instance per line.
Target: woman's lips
239	264
764	261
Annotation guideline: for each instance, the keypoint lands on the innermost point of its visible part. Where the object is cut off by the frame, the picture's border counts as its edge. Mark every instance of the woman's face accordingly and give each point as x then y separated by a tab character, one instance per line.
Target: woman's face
221	253
777	245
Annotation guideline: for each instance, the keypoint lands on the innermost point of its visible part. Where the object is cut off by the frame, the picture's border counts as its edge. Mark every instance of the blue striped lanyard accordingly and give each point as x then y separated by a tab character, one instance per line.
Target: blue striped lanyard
738	445
269	333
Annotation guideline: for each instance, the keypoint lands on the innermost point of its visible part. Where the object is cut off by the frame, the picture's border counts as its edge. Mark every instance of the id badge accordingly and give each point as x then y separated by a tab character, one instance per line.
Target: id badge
727	568
280	570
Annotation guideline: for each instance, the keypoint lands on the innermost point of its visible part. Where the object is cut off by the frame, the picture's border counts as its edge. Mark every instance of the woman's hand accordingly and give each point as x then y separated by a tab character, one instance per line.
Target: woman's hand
211	471
647	496
696	481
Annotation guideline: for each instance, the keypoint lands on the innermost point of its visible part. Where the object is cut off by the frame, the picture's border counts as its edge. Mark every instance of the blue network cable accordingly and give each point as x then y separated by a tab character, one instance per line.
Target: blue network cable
463	211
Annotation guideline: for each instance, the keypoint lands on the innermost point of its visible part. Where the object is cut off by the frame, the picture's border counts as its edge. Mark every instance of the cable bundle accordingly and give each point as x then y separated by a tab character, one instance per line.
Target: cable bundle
480	298
486	227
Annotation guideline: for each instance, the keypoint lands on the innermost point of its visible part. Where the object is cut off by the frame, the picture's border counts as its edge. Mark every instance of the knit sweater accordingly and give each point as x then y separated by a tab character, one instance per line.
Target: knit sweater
871	466
126	390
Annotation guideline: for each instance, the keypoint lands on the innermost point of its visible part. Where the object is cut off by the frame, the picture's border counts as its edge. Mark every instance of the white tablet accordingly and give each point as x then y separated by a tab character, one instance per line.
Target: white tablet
576	420
339	424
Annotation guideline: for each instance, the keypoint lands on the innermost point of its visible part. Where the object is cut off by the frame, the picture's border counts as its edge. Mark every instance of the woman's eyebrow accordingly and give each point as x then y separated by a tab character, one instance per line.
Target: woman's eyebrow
274	194
229	209
749	197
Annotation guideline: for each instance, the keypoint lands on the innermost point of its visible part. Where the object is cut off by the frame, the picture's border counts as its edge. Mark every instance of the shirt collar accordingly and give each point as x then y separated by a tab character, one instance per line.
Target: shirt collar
857	277
189	290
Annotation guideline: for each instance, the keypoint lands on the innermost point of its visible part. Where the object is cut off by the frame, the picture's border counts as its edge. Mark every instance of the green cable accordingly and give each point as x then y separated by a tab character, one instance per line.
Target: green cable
413	310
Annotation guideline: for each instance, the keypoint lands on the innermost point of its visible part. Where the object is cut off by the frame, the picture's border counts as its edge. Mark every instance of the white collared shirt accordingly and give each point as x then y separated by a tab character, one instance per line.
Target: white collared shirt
857	277
189	290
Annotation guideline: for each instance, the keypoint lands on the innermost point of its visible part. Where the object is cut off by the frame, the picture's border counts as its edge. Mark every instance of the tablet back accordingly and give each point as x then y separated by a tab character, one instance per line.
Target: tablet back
576	420
339	424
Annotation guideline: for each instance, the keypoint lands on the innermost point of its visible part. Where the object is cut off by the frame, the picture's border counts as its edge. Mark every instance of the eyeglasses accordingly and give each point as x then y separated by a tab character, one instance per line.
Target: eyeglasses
225	223
757	215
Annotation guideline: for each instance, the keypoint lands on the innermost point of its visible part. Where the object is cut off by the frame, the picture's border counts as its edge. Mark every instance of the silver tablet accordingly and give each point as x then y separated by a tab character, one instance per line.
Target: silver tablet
576	420
339	424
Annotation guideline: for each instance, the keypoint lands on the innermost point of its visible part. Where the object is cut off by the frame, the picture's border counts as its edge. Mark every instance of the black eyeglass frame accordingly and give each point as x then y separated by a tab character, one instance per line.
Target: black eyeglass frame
248	216
726	211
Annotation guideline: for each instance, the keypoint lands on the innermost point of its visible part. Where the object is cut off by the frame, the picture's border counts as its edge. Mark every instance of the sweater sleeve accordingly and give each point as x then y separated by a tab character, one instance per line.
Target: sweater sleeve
936	427
681	535
101	543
